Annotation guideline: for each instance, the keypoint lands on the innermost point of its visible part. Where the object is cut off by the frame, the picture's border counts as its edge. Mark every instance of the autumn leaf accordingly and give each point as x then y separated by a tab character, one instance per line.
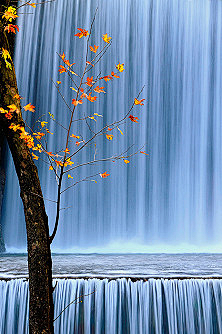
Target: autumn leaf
82	33
77	143
119	130
109	129
8	115
75	103
106	38
58	163
98	89
43	123
17	97
50	154
133	119
139	102
14	127
39	135
104	175
120	67
32	5
143	152
51	115
12	108
95	113
109	137
115	75
94	49
68	162
106	78
74	136
126	161
89	63
10	14
91	98
67	151
11	28
92	117
89	81
50	168
58	82
62	69
70	177
35	156
29	107
47	130
7	57
75	90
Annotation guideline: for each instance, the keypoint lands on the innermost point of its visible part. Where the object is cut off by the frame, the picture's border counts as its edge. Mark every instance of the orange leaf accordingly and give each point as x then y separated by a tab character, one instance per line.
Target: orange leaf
50	154
115	75
133	119
74	136
82	33
99	89
109	137
29	107
89	81
12	28
103	175
106	78
76	102
143	152
35	156
126	161
62	69
139	102
94	49
17	97
91	98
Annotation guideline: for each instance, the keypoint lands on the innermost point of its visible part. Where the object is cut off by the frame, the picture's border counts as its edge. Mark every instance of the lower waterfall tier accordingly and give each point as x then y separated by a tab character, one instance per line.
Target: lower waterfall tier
155	306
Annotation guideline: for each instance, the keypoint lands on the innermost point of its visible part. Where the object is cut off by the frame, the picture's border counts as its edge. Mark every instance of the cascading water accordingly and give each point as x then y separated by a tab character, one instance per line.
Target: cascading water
174	196
124	307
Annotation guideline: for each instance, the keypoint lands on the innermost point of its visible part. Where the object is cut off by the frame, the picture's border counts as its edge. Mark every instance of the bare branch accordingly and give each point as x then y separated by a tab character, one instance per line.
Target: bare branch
73	302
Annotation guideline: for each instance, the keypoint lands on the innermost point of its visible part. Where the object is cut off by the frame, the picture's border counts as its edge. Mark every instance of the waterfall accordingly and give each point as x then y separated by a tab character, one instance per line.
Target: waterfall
121	306
169	200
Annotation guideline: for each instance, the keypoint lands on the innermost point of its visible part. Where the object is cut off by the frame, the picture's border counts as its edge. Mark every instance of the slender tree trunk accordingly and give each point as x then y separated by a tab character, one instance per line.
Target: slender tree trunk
39	254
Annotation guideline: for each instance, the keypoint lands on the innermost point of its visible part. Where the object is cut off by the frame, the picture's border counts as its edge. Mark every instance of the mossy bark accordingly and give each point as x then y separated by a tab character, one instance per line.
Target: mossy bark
39	254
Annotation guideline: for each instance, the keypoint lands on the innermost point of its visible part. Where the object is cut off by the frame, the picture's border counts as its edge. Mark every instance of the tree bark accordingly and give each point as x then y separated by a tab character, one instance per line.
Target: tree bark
39	254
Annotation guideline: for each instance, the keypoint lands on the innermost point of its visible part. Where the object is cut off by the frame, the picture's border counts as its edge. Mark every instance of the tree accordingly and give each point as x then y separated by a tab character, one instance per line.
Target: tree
39	254
26	146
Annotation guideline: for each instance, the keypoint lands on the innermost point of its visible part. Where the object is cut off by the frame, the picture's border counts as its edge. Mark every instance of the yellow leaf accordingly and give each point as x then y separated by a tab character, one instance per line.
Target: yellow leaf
120	130
73	89
97	114
92	117
106	38
35	156
43	123
70	177
50	168
109	137
58	82
120	67
126	161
